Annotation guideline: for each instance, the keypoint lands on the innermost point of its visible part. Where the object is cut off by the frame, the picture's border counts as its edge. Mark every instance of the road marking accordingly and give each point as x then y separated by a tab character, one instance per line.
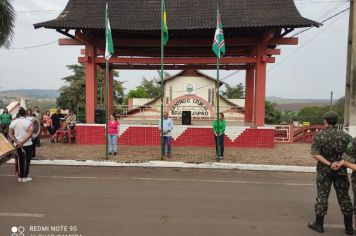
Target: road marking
60	177
225	181
176	179
333	226
7	214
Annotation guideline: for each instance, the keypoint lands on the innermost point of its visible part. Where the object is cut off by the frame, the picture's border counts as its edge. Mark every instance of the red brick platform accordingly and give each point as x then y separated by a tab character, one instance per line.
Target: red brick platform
202	136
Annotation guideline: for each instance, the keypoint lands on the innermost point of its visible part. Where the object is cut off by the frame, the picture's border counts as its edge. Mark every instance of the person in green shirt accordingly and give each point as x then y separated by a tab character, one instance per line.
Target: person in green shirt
219	133
5	119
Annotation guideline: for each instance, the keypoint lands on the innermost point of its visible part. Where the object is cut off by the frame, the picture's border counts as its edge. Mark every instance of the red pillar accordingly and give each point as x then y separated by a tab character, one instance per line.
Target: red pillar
249	93
90	84
260	86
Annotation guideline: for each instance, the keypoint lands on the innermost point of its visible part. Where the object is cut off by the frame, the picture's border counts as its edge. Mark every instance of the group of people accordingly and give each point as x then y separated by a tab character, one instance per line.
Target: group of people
218	129
335	151
57	121
20	131
114	129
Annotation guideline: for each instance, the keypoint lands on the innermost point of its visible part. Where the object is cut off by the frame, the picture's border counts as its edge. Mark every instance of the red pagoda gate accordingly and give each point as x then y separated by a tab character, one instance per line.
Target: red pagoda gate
253	29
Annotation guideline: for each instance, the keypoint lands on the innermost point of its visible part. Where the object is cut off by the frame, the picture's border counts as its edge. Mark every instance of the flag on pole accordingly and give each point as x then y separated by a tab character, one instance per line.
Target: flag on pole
164	25
219	42
109	46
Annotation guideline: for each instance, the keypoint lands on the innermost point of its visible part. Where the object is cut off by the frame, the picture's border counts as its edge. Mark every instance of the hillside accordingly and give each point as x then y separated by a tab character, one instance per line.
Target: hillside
31	93
291	104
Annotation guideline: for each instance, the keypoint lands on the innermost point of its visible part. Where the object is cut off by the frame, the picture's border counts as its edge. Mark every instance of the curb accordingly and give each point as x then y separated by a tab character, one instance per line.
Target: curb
168	164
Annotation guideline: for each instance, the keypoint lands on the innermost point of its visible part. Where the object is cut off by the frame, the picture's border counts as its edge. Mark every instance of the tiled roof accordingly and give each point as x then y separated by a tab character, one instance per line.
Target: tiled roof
192	73
144	15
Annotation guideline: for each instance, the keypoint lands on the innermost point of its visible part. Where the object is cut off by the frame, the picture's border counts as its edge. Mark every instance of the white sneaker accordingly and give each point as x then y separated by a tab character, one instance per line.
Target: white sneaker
221	158
19	180
28	179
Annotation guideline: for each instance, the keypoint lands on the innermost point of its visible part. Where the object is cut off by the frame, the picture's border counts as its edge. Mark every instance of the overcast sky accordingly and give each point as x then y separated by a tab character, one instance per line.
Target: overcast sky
309	70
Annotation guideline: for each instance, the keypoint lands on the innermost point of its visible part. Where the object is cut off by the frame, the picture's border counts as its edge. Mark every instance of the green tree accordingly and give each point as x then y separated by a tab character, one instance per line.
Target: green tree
72	94
339	107
139	92
288	116
272	115
148	88
7	23
312	114
151	87
234	92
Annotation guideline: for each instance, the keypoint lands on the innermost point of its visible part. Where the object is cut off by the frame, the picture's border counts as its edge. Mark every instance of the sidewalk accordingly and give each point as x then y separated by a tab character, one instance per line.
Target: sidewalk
282	154
173	164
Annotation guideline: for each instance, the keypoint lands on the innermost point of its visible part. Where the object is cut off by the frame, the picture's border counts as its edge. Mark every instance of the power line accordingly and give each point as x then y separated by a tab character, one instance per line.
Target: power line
315	36
35	11
333	9
327	19
35	46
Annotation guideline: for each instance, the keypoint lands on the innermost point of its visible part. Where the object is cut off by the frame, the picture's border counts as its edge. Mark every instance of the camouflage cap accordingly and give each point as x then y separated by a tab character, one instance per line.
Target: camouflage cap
331	115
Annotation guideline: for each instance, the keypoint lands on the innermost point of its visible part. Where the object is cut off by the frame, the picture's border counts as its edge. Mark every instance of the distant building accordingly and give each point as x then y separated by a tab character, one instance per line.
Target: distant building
190	90
14	107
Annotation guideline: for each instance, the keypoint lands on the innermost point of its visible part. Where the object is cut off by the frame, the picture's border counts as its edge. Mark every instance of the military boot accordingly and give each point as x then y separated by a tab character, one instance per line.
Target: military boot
348	225
317	225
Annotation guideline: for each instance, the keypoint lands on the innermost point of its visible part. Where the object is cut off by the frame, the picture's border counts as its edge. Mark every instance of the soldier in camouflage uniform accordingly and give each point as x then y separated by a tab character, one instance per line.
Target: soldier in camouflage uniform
349	159
327	148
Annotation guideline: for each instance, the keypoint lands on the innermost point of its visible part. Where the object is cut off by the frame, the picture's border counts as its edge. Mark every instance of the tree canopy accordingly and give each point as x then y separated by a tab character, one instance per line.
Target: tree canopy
314	114
148	88
234	92
7	23
72	94
139	92
272	115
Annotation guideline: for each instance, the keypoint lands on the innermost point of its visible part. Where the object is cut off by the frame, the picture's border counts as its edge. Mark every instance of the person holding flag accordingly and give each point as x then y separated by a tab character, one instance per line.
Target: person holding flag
219	50
219	134
109	51
164	41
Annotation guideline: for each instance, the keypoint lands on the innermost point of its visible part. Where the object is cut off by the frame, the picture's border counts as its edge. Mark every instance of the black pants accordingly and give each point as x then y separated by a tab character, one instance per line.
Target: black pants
34	144
221	144
52	129
5	129
24	159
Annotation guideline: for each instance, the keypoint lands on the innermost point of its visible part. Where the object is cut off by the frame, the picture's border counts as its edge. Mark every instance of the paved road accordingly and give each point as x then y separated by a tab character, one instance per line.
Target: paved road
143	201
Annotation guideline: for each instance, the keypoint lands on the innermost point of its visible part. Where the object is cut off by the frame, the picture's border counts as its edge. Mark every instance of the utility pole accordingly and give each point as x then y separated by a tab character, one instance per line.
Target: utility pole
350	89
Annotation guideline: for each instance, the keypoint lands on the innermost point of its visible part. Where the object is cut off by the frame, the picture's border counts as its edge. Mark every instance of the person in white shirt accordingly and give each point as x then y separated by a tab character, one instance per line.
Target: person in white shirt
20	133
167	134
30	116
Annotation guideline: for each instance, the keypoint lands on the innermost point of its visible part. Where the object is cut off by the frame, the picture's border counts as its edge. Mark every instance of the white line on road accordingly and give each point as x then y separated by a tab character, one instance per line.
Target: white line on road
225	181
176	179
6	214
333	226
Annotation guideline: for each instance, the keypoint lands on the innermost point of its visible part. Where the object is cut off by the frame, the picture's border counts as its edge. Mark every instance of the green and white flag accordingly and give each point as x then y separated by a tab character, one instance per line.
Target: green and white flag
109	47
219	42
164	25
